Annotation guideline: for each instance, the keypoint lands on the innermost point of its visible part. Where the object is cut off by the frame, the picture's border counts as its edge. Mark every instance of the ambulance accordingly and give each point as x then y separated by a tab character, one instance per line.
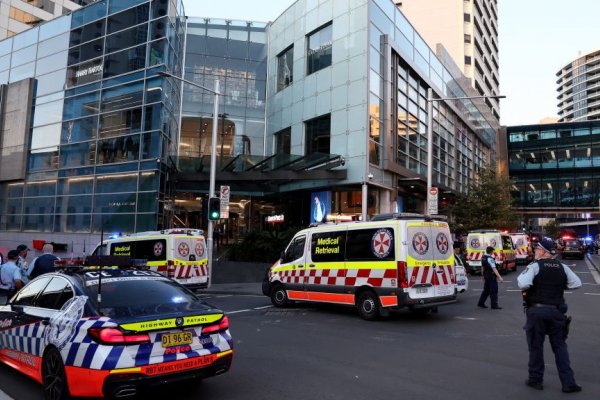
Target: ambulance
393	261
180	254
504	251
523	250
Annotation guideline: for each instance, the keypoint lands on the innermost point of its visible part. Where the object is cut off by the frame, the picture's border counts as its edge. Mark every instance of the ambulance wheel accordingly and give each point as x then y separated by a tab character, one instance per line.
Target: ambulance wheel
279	297
368	306
53	376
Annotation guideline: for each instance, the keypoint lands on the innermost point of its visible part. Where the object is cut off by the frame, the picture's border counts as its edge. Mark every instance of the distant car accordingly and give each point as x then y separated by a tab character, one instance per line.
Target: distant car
462	281
574	248
144	330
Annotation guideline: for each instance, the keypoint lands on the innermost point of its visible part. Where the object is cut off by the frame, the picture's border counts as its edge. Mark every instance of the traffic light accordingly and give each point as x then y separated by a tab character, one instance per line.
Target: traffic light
214	209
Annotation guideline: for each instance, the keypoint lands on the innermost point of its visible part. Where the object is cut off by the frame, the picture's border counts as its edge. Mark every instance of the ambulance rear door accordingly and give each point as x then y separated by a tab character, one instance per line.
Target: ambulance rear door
429	266
188	269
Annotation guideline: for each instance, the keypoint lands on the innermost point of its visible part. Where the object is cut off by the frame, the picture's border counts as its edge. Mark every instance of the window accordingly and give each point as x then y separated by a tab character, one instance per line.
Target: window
151	250
468	60
467	38
319	49
285	68
467	17
295	249
370	245
55	294
283	140
328	246
318	134
28	294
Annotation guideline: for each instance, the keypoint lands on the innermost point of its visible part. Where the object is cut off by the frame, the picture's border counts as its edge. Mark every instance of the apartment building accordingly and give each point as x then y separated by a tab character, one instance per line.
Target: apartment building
579	89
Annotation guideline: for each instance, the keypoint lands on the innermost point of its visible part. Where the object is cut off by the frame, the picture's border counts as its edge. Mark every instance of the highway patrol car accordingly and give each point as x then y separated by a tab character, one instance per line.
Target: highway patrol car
390	262
109	332
180	254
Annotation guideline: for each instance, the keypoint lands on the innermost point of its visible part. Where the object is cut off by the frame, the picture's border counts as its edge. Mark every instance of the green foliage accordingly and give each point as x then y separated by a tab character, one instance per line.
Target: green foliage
487	204
553	228
265	246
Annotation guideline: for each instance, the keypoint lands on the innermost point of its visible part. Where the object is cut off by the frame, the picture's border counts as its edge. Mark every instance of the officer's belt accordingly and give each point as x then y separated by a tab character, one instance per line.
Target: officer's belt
544	305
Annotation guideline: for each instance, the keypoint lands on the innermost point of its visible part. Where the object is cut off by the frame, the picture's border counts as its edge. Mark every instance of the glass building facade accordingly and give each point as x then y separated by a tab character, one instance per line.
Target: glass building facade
103	124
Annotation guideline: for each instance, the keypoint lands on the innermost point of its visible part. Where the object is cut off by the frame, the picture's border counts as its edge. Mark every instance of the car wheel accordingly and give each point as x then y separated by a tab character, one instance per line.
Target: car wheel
279	297
54	378
368	306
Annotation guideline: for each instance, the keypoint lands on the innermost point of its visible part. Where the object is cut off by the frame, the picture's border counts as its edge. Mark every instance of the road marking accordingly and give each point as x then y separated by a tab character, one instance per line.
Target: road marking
262	308
466	318
593	271
593	294
248	309
4	396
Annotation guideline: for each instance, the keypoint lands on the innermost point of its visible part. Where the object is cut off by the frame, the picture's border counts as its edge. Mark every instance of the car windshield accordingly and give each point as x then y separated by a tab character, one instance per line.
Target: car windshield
573	243
140	297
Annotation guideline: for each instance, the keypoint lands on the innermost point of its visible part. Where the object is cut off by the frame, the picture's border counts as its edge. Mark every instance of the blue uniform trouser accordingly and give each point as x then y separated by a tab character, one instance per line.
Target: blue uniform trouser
490	288
542	321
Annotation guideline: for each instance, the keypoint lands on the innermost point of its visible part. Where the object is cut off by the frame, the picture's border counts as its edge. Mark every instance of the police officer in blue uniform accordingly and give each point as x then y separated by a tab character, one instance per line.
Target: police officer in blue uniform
491	276
544	282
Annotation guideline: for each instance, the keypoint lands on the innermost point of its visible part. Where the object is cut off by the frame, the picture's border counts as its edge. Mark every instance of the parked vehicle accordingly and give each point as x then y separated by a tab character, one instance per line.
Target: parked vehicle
462	280
504	252
522	245
574	248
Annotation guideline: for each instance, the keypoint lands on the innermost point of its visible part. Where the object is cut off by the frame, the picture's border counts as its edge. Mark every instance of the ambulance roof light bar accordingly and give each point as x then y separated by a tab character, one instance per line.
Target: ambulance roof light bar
389	216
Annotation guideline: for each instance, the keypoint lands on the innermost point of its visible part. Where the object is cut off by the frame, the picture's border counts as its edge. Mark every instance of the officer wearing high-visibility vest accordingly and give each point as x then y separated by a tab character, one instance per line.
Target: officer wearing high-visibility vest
544	282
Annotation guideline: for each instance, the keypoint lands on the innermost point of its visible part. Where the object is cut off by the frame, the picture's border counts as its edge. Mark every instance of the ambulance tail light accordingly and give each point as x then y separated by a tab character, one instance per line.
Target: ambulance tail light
114	336
222	325
170	269
402	275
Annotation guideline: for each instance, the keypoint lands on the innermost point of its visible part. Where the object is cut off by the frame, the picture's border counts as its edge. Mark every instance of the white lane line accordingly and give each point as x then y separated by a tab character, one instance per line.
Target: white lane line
513	290
593	294
466	318
263	307
237	311
4	396
222	296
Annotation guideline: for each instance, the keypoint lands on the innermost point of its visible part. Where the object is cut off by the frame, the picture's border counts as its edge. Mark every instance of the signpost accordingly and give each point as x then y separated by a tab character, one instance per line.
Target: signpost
224	195
432	201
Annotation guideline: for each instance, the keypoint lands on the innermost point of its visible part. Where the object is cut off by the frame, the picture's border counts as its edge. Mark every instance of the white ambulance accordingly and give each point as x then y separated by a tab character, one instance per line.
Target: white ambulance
504	251
180	254
390	262
523	250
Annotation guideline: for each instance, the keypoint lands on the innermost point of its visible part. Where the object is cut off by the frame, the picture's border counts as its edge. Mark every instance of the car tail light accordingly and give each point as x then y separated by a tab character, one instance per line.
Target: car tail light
402	276
218	327
116	336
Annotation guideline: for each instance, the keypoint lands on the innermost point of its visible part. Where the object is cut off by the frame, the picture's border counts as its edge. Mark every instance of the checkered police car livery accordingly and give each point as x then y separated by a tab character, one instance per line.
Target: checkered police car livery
85	349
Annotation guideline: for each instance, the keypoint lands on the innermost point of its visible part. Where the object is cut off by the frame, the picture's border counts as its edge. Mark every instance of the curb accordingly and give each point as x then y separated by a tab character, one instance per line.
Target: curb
595	263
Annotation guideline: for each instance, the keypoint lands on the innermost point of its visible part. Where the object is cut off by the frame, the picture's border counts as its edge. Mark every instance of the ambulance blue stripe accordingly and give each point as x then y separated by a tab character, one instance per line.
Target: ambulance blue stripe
113	357
72	354
143	355
89	355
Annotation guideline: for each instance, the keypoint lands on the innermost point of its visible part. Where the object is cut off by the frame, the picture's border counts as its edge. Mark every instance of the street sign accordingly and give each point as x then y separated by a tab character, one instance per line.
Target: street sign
432	201
224	195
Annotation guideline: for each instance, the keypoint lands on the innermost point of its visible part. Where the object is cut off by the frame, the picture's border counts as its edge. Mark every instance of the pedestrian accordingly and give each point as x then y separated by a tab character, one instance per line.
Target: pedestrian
490	276
544	282
44	263
217	236
10	277
22	262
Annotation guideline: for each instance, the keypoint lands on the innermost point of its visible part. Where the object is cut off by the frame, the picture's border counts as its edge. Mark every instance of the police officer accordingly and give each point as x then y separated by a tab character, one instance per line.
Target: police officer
10	277
491	276
22	262
544	282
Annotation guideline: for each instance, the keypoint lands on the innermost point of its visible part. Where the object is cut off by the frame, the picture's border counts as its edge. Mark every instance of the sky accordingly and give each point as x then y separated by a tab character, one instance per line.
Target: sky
536	39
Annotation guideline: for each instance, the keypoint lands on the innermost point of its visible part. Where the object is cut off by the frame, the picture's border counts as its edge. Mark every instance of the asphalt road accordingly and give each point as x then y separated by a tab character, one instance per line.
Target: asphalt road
327	352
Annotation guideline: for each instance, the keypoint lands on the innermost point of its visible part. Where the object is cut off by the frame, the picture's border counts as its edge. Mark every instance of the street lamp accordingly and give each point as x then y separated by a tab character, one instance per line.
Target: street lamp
430	101
213	158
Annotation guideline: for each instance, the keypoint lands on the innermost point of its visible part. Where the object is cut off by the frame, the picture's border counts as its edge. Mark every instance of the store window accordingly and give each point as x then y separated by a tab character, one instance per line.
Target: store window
319	49
318	135
285	68
283	140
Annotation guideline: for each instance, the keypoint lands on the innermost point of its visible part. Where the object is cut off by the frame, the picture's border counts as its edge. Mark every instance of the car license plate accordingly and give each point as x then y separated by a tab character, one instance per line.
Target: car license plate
422	290
176	339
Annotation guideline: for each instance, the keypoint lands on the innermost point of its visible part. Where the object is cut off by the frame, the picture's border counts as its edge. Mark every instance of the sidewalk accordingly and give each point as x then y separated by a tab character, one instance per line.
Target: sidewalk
595	260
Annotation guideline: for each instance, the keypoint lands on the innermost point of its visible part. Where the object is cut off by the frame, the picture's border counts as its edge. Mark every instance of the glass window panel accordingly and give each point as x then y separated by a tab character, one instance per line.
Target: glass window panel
44	188
22	72
159	8
50	83
88	14
80	106
39	223
119	80
126	19
285	68
151	145
73	223
148	202
53	46
148	181
86	51
48	113
125	61
121	122
6	46
88	32
42	159
154	90
127	38
119	149
124	223
153	119
121	97
74	204
75	186
38	205
79	130
319	49
45	136
51	63
55	27
318	135
77	155
159	51
26	38
119	5
158	29
116	183
115	203
89	71
23	56
5	62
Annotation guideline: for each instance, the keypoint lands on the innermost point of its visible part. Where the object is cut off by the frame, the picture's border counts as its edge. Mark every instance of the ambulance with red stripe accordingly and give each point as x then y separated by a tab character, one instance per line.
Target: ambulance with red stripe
504	251
523	250
392	262
179	254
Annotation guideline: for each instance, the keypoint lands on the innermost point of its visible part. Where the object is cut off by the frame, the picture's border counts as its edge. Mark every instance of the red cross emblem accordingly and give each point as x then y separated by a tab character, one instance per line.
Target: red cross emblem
420	243
442	243
381	244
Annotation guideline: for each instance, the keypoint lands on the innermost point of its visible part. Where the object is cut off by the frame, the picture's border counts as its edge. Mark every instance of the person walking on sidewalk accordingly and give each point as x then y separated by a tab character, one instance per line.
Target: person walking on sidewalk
490	276
544	282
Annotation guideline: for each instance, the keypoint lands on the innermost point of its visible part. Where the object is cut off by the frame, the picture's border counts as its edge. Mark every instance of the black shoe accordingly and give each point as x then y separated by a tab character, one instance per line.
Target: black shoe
497	308
535	385
571	389
481	306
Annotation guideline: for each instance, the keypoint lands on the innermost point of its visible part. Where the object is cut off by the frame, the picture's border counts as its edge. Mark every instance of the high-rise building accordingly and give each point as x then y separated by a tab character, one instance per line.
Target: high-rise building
468	30
19	15
578	94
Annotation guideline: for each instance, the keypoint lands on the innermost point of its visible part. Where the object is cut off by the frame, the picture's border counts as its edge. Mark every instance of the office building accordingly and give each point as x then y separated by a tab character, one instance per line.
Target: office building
579	89
468	29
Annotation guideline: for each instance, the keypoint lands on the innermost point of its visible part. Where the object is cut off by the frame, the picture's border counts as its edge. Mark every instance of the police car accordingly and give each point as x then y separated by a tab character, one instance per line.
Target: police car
94	332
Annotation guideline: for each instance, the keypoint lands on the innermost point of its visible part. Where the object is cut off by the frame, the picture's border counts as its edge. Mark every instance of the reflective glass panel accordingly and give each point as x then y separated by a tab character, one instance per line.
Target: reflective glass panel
88	32
126	19
319	49
125	61
55	27
80	106
77	155
48	113
50	83
45	136
51	63
53	46
79	130
23	56
88	14
127	38
119	149
86	51
121	122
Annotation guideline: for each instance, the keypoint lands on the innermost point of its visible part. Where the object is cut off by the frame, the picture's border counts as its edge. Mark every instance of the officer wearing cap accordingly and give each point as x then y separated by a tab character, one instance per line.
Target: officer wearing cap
10	277
544	282
491	276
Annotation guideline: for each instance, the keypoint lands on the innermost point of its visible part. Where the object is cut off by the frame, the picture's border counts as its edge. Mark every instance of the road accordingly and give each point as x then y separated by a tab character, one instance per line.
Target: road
328	352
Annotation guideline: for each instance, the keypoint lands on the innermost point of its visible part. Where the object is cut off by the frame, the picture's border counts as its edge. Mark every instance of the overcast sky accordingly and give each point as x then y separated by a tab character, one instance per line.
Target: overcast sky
537	38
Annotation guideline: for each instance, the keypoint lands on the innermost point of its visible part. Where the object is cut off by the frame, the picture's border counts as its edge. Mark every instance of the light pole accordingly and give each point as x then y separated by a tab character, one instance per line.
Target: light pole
223	116
213	158
430	101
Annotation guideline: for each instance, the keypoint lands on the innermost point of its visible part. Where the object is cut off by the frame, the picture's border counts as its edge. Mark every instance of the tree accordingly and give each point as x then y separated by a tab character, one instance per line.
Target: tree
486	204
552	228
